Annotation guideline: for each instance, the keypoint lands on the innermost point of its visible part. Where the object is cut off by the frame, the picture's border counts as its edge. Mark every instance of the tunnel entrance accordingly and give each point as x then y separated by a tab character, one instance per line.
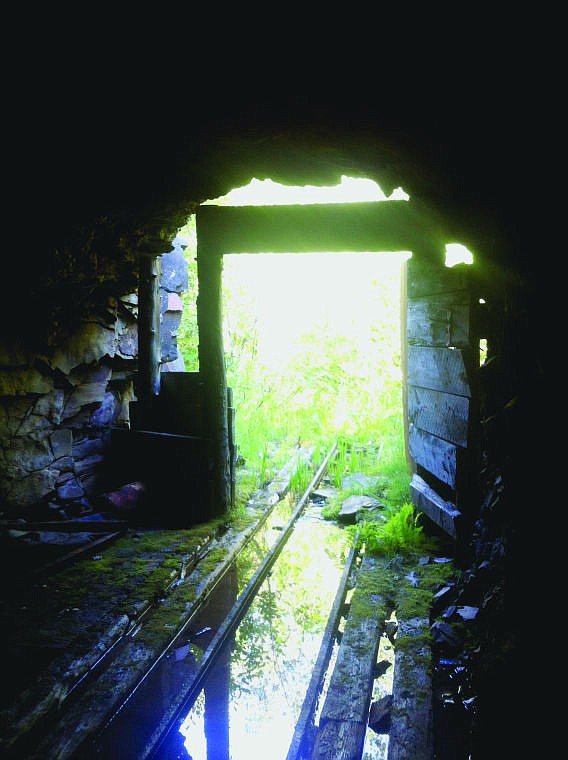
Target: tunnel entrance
441	321
323	269
441	326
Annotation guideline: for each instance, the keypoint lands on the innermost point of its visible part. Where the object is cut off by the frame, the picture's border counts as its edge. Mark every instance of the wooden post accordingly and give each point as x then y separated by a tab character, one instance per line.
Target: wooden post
212	371
374	226
232	445
404	361
148	379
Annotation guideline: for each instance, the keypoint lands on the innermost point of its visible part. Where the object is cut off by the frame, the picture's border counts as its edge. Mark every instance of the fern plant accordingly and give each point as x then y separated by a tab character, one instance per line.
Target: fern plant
400	534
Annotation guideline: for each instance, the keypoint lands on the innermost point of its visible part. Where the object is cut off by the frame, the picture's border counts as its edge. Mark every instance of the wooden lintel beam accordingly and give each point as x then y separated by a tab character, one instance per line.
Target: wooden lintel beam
370	226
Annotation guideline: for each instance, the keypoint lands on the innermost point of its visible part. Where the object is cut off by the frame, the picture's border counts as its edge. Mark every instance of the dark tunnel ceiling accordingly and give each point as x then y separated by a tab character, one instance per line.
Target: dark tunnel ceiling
90	162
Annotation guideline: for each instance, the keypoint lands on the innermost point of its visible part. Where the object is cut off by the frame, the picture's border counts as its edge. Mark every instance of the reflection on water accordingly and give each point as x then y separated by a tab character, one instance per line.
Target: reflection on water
253	695
137	726
376	744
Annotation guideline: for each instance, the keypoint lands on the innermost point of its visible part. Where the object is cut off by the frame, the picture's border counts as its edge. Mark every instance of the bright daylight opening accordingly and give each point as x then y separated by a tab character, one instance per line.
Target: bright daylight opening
268	193
312	341
456	253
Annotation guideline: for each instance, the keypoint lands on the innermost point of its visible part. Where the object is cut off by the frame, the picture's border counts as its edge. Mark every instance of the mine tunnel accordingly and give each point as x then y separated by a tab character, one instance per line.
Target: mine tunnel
84	403
445	313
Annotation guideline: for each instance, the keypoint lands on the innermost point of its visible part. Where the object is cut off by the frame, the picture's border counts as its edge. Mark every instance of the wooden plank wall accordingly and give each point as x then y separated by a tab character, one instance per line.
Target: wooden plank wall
442	359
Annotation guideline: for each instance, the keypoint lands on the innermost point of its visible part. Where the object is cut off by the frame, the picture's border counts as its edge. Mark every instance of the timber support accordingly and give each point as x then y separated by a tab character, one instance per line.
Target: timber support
213	376
148	381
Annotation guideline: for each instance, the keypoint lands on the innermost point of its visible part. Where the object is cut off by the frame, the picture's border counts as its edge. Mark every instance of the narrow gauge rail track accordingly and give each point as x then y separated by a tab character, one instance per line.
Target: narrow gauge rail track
31	733
145	748
78	719
64	721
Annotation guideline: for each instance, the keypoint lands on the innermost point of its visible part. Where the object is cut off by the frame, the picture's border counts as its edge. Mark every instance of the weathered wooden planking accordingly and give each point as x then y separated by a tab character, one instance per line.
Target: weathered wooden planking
372	226
426	277
411	726
213	374
445	415
301	744
441	512
434	454
440	320
340	740
345	713
441	369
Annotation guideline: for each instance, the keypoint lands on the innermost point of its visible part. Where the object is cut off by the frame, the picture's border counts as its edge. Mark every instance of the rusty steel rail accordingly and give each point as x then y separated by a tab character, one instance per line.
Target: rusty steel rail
91	745
235	616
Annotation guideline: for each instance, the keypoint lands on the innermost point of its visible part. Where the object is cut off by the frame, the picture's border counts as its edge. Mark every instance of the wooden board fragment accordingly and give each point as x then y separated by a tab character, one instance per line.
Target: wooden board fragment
65	526
434	454
441	512
301	743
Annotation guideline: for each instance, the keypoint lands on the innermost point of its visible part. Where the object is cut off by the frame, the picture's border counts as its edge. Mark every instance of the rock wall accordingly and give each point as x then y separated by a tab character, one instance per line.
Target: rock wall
58	404
173	281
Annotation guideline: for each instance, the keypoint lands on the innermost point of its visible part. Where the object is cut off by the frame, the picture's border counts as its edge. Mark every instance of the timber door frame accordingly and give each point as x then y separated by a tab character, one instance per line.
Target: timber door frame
378	226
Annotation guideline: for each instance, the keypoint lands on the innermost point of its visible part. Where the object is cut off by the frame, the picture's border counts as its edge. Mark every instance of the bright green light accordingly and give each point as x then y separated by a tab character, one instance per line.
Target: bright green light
269	193
457	254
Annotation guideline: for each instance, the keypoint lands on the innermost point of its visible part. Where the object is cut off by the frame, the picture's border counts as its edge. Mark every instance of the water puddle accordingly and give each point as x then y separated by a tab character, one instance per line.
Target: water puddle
252	697
252	692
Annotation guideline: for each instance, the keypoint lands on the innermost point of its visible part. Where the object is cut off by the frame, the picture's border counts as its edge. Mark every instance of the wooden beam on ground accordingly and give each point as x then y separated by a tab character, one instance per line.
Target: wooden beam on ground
301	743
81	552
345	713
441	512
411	724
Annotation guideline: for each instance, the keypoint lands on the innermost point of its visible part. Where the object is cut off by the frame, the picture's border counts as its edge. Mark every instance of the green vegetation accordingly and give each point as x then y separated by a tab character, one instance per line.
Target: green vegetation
400	534
188	337
301	478
330	371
